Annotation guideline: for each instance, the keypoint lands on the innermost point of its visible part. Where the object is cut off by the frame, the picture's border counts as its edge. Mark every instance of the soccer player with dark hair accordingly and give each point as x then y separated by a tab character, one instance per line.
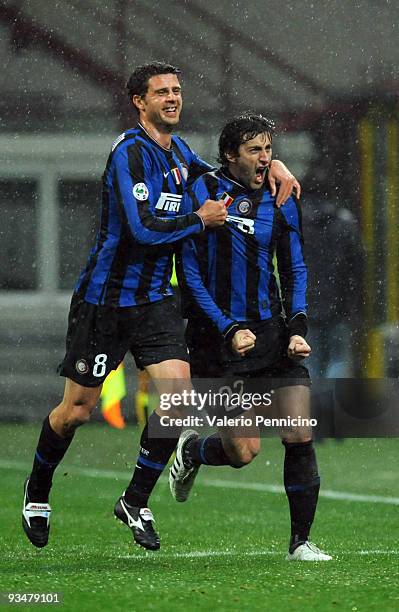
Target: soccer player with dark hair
123	298
238	325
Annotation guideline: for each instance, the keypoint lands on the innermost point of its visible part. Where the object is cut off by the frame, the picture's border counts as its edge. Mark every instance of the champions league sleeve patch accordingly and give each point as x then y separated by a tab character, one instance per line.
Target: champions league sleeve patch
140	192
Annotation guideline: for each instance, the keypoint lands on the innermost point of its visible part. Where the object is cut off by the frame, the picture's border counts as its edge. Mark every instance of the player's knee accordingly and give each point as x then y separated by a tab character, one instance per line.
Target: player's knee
243	453
297	436
247	455
75	415
81	414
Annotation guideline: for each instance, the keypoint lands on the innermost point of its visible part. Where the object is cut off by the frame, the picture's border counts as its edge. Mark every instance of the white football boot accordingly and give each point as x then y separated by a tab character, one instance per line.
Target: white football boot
182	475
35	519
308	552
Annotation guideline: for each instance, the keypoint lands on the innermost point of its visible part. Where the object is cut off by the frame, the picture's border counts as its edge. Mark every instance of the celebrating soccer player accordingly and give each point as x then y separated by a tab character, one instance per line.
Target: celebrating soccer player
123	298
239	327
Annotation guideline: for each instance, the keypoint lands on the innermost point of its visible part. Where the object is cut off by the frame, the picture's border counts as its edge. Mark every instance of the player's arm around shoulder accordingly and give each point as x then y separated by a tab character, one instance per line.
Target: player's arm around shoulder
282	182
137	190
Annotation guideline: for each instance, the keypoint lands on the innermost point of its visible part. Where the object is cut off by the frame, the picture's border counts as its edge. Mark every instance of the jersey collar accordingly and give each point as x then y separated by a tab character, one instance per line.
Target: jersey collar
155	142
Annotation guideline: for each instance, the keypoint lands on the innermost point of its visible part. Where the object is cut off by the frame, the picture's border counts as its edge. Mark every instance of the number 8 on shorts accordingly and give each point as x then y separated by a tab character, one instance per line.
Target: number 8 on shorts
100	365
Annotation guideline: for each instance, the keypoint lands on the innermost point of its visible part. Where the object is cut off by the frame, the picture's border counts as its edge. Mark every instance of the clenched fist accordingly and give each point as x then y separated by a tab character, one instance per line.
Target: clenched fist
243	341
298	348
213	213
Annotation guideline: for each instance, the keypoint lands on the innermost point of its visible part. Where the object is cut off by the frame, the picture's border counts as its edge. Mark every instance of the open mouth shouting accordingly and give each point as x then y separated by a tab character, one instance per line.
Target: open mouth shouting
260	173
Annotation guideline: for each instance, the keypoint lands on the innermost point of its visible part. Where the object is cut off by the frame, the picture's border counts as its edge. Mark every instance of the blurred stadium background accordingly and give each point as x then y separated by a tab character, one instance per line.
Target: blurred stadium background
326	71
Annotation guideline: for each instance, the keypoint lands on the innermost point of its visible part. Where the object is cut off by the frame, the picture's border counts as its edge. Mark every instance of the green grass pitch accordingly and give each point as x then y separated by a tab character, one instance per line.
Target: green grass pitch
223	550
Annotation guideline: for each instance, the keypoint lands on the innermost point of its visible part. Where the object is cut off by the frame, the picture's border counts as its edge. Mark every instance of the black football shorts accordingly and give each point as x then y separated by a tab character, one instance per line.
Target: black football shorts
98	338
217	370
210	357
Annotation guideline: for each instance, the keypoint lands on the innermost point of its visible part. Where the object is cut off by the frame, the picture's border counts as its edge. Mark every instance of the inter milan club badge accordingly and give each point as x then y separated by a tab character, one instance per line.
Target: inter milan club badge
82	366
244	207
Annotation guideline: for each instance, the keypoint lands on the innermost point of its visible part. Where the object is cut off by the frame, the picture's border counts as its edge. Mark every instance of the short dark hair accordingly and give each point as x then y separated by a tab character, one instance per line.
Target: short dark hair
239	130
137	84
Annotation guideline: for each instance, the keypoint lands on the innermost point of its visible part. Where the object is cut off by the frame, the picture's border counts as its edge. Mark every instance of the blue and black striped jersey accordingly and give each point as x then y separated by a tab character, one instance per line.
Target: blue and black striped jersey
227	273
143	187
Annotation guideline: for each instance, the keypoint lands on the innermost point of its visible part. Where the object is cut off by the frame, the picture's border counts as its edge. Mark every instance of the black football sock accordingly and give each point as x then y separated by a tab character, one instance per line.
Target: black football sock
153	457
302	484
206	451
50	450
